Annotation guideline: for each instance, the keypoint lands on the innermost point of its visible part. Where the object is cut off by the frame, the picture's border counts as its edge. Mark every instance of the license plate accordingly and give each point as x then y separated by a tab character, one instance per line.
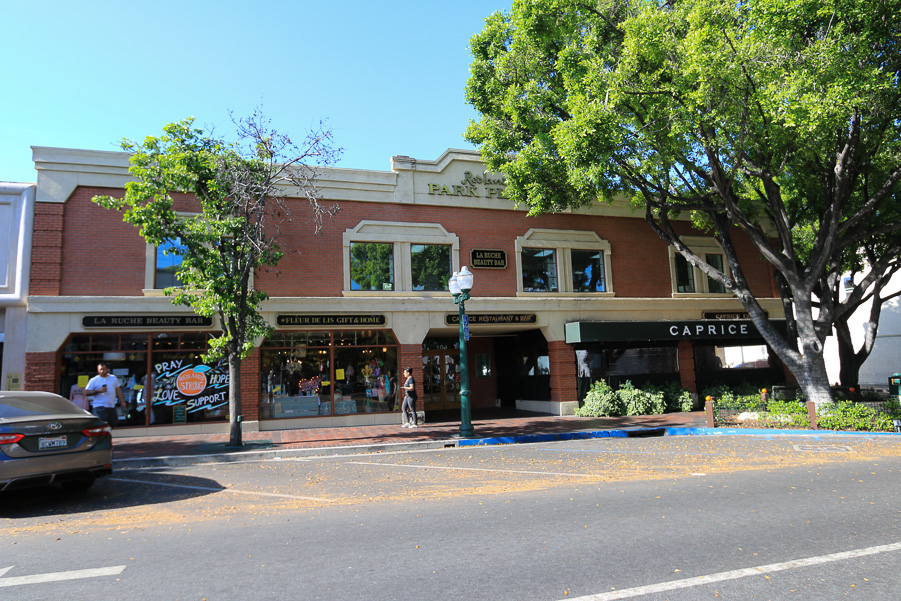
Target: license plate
52	442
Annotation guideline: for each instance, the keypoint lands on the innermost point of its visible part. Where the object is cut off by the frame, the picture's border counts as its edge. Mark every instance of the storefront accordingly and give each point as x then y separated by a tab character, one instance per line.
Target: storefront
354	306
162	373
332	372
698	354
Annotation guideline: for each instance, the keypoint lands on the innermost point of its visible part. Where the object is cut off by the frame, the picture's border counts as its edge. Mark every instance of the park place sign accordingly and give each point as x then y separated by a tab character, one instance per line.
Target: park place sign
486	185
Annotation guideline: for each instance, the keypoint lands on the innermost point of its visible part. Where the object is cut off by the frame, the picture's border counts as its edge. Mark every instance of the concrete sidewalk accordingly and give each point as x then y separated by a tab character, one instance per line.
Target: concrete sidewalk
205	448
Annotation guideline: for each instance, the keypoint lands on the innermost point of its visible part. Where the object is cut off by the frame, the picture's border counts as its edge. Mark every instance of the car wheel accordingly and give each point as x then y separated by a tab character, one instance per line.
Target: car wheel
78	485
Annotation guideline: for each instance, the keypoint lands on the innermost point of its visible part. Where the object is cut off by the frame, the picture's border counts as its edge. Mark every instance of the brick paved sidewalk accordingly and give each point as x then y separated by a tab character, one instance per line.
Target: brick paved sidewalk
322	438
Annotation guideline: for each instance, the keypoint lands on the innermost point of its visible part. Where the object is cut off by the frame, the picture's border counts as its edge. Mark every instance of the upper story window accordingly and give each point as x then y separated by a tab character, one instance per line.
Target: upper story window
539	270
385	257
687	279
588	271
168	261
431	266
371	266
563	261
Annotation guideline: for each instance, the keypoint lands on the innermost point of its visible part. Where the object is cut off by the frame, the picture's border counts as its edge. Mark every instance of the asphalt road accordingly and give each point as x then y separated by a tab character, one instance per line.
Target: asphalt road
679	518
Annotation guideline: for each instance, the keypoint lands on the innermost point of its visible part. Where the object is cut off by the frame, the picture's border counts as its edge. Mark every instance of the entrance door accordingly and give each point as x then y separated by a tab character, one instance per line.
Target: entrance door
440	379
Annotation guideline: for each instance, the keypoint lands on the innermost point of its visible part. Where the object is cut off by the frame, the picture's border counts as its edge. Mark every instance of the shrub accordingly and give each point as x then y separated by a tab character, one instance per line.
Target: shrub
675	397
785	414
640	402
601	401
845	415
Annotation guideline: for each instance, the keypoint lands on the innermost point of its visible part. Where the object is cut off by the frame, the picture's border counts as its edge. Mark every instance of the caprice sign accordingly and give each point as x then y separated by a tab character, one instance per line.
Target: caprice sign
658	331
711	329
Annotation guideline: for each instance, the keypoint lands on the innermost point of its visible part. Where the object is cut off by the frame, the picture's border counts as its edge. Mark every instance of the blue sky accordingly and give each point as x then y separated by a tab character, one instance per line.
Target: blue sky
388	77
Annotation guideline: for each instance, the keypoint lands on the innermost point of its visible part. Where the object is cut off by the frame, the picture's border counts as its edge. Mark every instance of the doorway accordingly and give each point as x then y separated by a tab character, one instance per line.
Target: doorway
440	379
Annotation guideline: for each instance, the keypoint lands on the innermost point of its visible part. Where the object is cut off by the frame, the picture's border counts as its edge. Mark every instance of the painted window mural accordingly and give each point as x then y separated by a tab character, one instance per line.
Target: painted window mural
184	387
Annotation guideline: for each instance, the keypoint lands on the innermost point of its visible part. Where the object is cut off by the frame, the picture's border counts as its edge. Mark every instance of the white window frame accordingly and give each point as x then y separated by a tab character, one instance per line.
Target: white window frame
402	236
562	242
701	246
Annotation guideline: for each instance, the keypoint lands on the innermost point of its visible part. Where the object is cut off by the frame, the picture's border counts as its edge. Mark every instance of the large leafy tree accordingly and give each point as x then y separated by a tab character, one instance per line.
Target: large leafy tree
226	221
775	118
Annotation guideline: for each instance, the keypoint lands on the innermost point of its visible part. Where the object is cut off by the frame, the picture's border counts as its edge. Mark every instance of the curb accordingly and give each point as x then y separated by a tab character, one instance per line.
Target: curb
638	432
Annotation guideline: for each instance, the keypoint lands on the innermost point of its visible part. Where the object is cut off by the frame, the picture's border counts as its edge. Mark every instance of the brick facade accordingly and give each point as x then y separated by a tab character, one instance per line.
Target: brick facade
562	358
687	374
97	251
87	253
40	372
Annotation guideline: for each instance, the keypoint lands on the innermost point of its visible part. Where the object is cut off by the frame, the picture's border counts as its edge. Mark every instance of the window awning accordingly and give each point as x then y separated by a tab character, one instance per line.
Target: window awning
662	331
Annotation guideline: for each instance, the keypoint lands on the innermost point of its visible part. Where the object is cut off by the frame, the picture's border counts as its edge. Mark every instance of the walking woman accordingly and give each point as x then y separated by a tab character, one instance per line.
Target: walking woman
409	400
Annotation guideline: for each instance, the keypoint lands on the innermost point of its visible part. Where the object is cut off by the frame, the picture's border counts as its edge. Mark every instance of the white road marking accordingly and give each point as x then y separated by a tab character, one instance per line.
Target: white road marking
57	576
231	490
661	587
472	469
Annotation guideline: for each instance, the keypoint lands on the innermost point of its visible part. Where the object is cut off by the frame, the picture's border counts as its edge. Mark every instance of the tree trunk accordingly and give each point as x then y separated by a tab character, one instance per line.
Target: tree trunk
234	400
812	376
849	360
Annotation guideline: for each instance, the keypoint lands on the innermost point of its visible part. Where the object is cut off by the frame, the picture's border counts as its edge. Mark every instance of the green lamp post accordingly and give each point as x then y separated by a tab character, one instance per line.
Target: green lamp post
459	285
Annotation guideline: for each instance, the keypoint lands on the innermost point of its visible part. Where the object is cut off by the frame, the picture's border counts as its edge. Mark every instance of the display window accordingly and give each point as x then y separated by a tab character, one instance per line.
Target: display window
309	374
161	370
657	365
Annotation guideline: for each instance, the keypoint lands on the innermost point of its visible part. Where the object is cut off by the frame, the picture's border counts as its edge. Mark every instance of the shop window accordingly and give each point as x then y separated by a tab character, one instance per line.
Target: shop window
389	257
309	374
715	358
431	266
639	365
563	261
371	266
688	279
167	384
539	270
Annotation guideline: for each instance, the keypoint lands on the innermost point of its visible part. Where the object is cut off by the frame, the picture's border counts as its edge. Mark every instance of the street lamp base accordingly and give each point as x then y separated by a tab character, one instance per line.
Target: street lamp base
466	434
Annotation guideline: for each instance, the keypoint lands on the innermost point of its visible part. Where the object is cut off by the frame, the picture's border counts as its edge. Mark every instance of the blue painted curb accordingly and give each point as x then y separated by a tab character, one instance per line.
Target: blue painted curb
524	438
768	432
647	432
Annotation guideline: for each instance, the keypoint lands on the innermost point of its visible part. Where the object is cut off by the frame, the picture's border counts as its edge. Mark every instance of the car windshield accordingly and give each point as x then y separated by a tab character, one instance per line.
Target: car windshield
30	406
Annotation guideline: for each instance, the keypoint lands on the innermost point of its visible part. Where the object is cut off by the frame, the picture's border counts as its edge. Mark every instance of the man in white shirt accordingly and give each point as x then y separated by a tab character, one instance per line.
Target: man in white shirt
103	389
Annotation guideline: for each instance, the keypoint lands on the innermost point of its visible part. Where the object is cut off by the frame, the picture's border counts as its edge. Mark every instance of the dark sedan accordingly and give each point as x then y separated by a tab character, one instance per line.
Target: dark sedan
45	439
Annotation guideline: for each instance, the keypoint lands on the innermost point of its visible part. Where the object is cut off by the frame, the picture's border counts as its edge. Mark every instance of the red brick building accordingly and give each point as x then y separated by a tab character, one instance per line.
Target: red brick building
558	301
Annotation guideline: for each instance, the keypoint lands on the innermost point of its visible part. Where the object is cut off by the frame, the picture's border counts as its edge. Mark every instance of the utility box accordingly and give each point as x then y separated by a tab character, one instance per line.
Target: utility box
894	385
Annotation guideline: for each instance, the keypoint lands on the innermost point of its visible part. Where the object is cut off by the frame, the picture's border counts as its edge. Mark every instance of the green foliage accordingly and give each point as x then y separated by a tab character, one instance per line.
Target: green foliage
641	402
785	414
601	401
775	117
675	397
228	225
847	415
225	221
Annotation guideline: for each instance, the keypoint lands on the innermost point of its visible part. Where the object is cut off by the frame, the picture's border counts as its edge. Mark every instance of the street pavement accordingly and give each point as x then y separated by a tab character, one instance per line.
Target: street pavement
490	426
